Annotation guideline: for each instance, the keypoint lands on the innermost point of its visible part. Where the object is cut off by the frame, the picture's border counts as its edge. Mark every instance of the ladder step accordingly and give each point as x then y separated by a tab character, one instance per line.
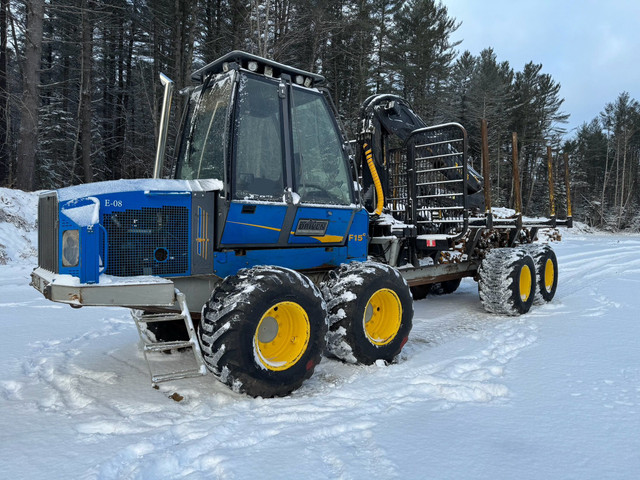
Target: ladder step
160	317
164	346
165	377
184	315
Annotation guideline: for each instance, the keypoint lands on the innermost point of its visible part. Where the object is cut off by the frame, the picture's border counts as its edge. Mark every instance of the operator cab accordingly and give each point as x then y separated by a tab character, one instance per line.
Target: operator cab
273	133
268	134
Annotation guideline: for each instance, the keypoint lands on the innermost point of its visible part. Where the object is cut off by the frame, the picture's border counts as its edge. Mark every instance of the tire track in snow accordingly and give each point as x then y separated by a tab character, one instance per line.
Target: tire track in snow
59	370
316	414
211	426
603	263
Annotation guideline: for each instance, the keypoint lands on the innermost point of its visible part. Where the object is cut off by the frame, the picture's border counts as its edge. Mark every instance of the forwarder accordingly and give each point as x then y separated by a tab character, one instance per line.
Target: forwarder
279	243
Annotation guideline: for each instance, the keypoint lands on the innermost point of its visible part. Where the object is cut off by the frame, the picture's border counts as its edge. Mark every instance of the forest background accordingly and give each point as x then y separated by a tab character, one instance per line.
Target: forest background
80	99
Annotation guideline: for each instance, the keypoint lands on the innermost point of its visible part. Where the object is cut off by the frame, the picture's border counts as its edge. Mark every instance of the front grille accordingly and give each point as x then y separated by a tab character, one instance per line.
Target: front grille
48	231
148	241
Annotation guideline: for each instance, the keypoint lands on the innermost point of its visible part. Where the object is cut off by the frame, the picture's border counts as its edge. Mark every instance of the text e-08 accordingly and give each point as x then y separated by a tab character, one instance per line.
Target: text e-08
113	203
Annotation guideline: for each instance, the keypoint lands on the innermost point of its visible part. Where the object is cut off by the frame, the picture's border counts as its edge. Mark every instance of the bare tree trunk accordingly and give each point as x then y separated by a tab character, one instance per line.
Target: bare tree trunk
178	46
604	182
123	135
27	145
264	51
530	194
381	36
499	193
84	106
617	163
182	48
5	164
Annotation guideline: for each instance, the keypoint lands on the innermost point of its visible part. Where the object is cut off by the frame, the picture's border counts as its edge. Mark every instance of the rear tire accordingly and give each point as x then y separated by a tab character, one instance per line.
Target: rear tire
418	292
507	281
370	313
263	331
546	264
446	287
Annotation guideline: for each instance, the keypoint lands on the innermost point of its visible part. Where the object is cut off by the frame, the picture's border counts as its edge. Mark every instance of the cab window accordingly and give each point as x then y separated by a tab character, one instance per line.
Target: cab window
259	167
319	161
205	134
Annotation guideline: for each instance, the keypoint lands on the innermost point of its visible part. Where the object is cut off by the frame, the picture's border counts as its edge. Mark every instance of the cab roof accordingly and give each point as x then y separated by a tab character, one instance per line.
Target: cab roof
261	65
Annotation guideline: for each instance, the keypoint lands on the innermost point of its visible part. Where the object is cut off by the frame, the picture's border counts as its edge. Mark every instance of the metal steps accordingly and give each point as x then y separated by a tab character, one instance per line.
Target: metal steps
150	346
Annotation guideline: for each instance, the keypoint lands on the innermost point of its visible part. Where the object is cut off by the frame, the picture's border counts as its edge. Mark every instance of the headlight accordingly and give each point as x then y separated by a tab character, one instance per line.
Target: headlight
70	248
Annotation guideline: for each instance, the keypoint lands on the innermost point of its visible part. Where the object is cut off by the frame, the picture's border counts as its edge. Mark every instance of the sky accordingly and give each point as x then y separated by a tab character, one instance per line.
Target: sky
590	47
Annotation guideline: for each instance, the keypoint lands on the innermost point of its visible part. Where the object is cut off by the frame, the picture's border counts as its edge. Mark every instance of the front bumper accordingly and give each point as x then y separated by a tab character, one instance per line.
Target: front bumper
133	292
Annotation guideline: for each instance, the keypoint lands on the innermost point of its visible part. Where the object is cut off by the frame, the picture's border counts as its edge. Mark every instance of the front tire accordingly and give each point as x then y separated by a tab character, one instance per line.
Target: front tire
263	331
370	313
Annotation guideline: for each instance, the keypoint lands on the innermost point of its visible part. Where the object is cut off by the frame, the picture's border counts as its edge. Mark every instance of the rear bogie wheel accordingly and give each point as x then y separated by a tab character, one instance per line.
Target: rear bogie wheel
446	287
421	291
507	281
546	264
370	313
263	331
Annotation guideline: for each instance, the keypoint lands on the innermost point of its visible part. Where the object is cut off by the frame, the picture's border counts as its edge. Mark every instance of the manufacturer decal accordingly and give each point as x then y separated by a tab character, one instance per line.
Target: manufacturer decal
311	227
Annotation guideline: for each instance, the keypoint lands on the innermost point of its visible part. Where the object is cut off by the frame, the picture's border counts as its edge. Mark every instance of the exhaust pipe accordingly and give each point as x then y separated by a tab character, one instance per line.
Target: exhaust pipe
167	83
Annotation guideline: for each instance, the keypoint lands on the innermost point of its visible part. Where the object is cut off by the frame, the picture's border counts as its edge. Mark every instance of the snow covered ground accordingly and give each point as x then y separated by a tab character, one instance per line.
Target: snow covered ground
553	394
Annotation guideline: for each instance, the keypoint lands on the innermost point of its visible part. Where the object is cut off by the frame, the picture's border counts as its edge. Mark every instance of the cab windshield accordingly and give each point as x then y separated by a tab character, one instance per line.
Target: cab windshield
319	165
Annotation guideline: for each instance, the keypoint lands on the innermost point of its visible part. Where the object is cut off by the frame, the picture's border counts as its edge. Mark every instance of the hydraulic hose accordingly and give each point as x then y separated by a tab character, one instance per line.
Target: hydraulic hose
376	179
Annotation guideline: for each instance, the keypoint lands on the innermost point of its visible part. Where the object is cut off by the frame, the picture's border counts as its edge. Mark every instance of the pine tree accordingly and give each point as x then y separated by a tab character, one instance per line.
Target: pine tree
27	146
421	53
5	163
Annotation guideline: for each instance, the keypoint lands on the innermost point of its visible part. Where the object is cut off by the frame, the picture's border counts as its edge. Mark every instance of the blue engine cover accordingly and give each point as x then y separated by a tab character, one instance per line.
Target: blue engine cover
128	228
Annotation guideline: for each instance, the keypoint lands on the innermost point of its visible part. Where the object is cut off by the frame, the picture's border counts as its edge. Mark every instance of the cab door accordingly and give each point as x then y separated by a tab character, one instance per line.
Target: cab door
321	176
290	181
258	207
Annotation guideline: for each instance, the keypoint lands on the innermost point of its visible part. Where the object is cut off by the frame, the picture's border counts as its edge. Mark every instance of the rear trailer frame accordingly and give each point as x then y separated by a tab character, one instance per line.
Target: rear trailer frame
432	196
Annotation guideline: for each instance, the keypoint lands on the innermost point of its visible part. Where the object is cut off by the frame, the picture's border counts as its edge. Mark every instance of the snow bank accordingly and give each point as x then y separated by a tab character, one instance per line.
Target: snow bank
18	229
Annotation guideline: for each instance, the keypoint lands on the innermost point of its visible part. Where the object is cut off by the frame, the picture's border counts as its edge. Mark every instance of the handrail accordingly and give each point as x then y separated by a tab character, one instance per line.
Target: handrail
106	248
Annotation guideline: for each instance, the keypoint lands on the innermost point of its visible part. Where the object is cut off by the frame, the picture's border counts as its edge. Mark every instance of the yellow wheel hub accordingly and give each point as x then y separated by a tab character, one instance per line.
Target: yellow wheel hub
382	317
549	275
282	336
525	283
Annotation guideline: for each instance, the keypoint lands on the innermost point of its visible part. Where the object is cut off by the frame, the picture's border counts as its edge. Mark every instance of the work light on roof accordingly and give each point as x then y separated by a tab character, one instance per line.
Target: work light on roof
253	66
